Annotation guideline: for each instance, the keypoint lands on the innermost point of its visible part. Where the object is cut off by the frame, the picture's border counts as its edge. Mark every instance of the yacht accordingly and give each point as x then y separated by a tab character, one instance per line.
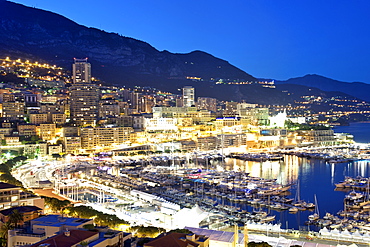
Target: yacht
293	210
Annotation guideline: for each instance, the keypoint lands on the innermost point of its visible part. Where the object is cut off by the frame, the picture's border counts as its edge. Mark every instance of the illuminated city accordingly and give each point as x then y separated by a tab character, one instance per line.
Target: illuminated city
106	141
139	137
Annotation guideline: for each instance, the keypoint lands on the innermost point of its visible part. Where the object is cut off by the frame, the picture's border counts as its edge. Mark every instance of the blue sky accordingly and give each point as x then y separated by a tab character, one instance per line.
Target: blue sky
266	38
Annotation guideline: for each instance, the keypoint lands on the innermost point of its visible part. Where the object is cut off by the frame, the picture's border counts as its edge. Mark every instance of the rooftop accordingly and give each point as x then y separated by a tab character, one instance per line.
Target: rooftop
173	239
221	236
8	186
61	240
57	221
21	209
103	236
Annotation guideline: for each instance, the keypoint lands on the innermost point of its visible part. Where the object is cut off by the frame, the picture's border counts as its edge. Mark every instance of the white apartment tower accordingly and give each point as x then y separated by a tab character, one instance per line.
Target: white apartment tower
188	96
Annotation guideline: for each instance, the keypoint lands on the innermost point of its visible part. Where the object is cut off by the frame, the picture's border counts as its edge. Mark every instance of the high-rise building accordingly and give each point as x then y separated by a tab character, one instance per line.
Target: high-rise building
188	96
84	95
230	108
81	71
206	103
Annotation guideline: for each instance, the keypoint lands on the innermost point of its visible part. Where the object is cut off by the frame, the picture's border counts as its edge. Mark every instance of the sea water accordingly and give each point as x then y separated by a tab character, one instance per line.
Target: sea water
309	178
360	131
315	177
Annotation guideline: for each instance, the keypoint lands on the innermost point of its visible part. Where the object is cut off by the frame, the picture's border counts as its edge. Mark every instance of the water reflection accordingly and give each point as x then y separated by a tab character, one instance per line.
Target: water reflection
315	177
285	172
332	172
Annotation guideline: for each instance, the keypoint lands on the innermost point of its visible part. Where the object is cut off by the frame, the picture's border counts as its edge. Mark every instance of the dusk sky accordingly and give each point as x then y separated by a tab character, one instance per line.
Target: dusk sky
265	38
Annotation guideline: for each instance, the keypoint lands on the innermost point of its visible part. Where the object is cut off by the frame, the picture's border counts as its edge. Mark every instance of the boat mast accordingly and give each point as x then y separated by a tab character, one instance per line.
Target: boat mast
317	206
298	192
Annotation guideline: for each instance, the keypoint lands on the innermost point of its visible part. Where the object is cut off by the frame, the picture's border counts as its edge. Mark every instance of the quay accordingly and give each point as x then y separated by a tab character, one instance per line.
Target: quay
331	154
177	182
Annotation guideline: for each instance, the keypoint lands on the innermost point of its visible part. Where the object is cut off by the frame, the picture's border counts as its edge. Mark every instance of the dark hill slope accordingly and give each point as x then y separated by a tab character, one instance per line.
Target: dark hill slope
33	33
357	89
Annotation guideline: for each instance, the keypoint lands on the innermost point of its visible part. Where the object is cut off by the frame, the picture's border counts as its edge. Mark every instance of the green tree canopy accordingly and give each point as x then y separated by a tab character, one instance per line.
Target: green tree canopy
100	218
55	204
186	231
146	231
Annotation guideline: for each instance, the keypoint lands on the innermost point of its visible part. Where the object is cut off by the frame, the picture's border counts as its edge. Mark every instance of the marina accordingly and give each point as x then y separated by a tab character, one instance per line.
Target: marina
289	190
270	197
281	192
314	177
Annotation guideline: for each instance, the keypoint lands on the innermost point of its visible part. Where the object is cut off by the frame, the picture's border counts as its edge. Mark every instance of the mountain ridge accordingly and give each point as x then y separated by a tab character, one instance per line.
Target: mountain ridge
52	37
124	61
357	89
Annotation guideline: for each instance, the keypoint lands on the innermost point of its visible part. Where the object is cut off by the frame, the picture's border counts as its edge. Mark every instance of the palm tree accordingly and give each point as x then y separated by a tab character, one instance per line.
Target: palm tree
4	233
15	218
3	242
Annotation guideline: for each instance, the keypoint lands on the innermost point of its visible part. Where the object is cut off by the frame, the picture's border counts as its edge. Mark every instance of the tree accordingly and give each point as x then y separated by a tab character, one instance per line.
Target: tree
100	218
296	126
14	152
35	139
8	178
4	233
84	243
148	231
55	204
186	231
20	158
82	211
109	220
3	242
15	218
4	168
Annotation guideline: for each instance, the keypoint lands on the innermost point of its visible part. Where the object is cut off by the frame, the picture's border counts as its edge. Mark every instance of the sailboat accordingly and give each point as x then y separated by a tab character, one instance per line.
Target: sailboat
298	203
315	215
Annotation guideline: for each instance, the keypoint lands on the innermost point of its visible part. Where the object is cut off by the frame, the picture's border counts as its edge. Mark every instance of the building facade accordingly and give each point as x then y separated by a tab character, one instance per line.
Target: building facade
188	96
84	95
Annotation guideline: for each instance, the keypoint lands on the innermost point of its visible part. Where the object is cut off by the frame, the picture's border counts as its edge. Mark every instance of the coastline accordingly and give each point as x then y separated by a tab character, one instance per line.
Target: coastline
359	130
349	123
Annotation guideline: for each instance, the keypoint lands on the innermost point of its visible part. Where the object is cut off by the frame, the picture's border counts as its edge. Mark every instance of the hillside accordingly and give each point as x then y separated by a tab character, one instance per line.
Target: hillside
357	89
33	33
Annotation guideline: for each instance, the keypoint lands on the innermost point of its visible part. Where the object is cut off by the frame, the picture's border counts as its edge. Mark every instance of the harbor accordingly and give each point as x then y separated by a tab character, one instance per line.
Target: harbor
268	191
283	192
259	195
